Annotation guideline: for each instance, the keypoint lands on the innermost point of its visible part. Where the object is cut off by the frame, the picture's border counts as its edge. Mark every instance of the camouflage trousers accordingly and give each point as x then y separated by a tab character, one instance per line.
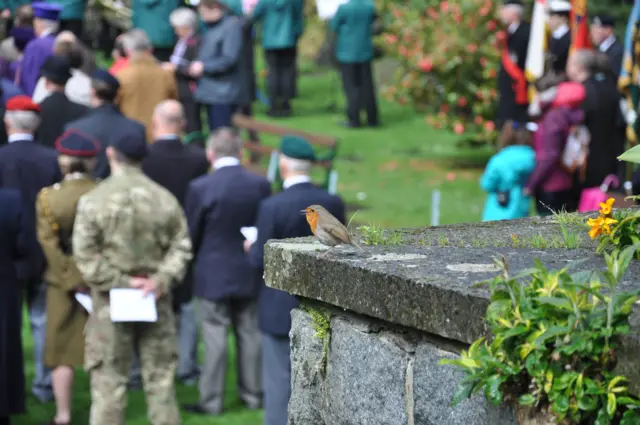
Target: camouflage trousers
108	356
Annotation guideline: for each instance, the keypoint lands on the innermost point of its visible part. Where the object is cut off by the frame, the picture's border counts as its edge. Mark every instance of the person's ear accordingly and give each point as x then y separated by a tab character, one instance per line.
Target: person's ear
110	153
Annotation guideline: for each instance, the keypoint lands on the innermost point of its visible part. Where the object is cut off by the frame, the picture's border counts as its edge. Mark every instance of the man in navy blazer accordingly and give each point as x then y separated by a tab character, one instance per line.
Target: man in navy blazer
280	218
29	167
186	162
217	207
104	122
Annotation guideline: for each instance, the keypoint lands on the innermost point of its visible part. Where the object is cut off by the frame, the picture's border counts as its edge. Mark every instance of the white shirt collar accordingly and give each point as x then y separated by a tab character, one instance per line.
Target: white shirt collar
168	137
19	136
604	46
292	181
225	161
513	27
560	31
45	33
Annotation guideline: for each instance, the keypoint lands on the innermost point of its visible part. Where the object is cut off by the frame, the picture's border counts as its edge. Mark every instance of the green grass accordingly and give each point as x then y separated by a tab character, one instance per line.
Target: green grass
388	172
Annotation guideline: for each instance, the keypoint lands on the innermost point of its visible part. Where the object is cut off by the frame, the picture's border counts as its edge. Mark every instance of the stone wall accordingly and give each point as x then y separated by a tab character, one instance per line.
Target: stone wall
373	325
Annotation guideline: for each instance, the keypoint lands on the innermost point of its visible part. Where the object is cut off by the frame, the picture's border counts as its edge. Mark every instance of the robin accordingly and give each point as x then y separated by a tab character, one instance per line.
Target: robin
327	228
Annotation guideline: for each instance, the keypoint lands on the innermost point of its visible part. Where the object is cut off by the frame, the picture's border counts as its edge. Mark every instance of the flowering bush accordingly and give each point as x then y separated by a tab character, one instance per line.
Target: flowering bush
448	62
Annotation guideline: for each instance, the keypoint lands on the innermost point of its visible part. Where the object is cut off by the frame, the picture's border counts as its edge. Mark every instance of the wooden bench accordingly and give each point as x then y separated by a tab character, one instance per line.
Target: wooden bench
328	144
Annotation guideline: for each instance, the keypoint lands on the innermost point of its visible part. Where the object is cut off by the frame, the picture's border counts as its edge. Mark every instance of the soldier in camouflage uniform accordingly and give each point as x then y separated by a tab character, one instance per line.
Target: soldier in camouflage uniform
131	233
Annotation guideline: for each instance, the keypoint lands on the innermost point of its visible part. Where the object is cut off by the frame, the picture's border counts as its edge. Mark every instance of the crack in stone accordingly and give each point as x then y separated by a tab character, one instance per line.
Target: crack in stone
408	388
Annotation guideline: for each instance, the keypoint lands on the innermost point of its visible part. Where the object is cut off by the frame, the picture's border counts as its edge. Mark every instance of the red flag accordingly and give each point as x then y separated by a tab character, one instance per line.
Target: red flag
579	25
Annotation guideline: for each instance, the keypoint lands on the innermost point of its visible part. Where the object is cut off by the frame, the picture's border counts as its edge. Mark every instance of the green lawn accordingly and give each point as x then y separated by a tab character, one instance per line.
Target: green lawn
389	172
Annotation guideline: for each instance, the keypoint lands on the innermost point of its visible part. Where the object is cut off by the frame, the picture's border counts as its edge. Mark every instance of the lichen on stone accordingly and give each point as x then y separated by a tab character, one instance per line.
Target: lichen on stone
322	326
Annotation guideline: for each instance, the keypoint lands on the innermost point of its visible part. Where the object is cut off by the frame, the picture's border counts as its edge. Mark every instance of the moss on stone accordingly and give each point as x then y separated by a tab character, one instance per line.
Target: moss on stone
322	326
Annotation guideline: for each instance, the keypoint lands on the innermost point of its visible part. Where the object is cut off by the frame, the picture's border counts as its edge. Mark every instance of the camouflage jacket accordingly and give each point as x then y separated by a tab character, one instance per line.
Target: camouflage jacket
130	226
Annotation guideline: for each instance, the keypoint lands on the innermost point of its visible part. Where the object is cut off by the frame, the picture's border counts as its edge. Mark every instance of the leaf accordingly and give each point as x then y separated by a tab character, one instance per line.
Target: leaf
625	401
603	418
561	405
611	404
623	259
492	389
588	403
559	303
632	155
462	393
527	400
631	417
552	332
615	381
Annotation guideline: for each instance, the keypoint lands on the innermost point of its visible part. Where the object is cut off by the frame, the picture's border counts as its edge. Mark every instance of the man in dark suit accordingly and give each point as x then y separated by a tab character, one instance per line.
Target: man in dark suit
29	167
512	83
560	40
279	217
56	110
217	207
602	35
602	118
186	162
104	122
185	23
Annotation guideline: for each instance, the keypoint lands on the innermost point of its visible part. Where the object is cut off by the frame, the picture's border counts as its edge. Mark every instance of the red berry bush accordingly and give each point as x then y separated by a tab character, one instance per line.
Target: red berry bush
448	62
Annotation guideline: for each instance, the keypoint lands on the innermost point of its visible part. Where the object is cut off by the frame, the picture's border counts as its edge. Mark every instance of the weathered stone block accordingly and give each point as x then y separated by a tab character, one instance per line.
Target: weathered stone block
366	378
307	384
434	386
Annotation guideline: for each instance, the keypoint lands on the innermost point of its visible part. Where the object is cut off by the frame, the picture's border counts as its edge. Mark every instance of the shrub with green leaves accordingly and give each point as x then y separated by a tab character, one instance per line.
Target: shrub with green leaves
556	337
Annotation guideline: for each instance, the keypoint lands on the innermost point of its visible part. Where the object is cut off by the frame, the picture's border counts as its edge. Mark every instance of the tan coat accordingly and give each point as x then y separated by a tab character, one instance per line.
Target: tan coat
66	318
144	84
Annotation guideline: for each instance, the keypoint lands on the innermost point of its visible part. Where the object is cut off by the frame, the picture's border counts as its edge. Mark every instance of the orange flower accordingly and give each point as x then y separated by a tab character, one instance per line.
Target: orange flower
607	207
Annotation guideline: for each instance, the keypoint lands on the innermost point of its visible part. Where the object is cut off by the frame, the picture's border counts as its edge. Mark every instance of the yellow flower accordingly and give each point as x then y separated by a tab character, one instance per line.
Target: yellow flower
607	207
600	226
606	225
596	226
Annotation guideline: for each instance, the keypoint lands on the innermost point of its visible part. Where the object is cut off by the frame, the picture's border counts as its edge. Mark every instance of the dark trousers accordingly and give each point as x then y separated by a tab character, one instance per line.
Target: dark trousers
359	89
564	200
5	420
73	25
163	54
192	114
281	77
219	116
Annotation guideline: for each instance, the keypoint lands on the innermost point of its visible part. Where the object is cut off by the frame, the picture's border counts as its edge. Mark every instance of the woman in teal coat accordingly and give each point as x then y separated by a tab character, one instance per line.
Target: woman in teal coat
506	175
72	15
152	16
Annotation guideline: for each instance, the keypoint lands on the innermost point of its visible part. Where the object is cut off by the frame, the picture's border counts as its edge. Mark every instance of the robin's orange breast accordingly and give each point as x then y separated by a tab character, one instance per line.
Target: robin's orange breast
312	219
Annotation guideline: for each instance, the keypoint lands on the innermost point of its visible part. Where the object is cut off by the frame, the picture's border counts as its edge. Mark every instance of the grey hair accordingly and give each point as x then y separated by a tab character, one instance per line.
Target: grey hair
297	165
136	41
587	60
51	26
185	18
170	113
519	9
26	121
225	142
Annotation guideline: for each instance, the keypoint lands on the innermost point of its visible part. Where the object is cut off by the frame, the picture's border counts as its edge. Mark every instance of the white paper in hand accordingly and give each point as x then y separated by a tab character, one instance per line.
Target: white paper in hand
328	8
85	301
250	233
129	305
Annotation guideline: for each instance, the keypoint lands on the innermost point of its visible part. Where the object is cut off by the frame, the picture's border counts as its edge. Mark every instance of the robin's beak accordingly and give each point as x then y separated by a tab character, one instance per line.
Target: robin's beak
303	212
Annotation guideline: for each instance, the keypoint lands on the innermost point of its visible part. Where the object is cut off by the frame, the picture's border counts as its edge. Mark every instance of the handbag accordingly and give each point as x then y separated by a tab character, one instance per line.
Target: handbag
591	198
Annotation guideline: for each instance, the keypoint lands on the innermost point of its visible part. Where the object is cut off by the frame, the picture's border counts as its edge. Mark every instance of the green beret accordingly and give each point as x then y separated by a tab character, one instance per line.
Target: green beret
297	148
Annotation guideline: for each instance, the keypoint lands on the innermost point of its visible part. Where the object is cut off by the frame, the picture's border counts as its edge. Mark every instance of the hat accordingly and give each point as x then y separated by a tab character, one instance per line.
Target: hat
48	11
75	143
513	2
297	148
559	7
105	77
22	103
22	36
133	144
604	21
56	69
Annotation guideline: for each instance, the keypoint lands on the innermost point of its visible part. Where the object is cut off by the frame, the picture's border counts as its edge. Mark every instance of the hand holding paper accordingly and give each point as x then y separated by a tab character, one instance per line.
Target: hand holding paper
249	233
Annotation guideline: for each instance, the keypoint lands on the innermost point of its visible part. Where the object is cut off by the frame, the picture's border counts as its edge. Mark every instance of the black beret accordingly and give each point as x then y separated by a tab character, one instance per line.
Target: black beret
75	143
513	2
132	143
56	69
105	77
604	21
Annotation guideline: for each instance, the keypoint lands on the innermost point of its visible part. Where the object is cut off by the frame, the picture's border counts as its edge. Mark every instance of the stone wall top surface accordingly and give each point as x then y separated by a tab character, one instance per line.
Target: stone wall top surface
424	278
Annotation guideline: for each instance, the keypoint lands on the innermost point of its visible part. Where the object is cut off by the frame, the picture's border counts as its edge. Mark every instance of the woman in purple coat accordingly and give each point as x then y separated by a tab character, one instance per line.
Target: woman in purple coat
13	243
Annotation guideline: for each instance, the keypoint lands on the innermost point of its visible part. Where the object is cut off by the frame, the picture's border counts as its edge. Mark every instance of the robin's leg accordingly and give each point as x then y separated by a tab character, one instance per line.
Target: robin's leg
324	254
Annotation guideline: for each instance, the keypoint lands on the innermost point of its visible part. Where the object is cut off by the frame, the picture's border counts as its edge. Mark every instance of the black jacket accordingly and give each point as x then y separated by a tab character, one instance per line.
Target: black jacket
56	110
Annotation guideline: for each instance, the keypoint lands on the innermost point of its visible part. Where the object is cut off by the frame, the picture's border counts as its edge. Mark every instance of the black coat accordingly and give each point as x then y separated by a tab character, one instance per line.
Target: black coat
186	164
56	110
518	43
615	52
29	167
105	123
217	206
558	52
14	245
606	125
280	218
247	65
